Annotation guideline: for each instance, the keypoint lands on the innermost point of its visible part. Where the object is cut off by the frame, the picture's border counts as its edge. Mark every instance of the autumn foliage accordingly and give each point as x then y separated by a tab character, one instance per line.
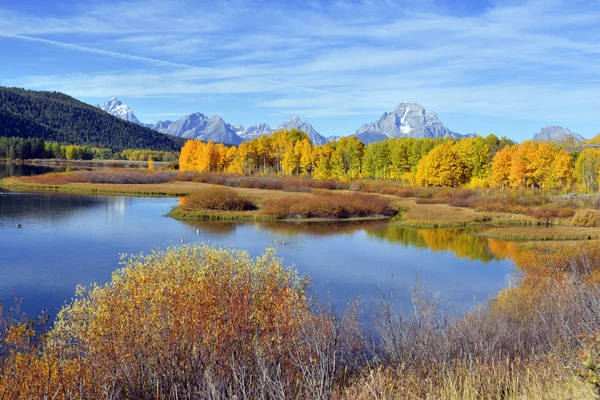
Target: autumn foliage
218	198
329	205
190	322
472	162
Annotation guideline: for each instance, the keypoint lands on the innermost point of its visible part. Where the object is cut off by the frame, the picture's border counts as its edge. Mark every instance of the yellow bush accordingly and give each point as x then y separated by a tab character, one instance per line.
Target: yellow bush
479	183
190	322
586	217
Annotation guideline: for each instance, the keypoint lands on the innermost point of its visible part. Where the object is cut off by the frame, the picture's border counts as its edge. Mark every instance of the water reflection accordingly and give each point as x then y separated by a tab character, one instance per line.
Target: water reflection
463	243
11	169
55	206
289	229
68	240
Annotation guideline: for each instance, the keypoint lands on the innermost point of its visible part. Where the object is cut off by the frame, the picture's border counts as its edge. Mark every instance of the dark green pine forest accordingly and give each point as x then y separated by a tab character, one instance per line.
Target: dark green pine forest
56	117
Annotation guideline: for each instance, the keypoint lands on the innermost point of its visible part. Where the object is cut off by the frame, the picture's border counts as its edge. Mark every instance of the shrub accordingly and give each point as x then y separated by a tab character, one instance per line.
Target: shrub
543	213
128	177
196	322
108	176
295	187
218	198
428	200
586	217
329	206
566	212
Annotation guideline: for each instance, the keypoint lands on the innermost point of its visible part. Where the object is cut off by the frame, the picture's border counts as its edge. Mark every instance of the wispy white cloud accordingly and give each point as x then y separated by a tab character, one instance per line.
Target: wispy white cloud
322	59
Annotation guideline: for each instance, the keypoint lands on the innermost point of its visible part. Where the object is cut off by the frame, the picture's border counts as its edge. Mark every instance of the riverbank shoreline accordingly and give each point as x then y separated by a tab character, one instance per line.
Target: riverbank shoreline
59	162
411	213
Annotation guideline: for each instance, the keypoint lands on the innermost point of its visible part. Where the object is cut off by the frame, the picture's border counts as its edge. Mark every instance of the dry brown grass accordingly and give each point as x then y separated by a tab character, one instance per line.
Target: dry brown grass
113	176
329	205
534	233
440	215
220	199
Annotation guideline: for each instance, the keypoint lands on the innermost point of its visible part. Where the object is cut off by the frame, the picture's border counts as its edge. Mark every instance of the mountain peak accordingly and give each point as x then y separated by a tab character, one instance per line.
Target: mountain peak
406	120
295	123
553	133
118	109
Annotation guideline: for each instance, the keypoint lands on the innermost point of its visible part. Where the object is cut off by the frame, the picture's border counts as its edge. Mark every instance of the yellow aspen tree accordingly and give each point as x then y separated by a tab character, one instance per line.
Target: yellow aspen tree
290	161
150	163
303	150
501	167
441	167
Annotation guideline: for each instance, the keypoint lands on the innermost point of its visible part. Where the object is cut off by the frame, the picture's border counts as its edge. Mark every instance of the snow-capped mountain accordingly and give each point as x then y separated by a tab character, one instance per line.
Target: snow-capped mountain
199	126
115	107
557	134
406	120
258	130
255	131
315	137
188	126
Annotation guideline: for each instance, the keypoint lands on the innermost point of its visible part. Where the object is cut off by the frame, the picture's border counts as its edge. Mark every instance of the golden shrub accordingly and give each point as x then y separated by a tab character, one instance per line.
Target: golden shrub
586	217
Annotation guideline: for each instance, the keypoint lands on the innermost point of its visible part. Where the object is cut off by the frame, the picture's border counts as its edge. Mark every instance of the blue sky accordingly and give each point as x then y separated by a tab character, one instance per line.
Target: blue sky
508	67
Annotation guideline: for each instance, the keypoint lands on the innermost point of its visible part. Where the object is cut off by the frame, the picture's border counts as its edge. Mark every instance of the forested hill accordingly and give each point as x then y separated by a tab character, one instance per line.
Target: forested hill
57	117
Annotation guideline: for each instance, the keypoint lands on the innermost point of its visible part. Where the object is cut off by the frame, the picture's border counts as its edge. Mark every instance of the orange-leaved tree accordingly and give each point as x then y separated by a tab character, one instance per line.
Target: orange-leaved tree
190	322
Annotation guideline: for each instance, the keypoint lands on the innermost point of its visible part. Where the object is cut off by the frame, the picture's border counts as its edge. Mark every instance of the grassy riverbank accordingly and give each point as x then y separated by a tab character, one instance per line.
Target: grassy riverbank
59	162
509	215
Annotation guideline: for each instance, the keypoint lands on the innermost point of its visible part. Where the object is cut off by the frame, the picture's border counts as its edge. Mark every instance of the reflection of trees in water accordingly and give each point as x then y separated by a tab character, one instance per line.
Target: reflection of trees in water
461	242
10	169
213	227
53	205
319	228
288	228
502	249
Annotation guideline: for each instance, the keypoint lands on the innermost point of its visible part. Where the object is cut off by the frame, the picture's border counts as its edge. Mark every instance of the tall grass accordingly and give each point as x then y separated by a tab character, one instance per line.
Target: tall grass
205	322
329	206
116	176
218	198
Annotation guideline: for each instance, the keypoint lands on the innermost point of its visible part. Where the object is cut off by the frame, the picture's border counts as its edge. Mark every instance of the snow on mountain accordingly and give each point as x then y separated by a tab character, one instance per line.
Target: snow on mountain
220	131
315	137
115	107
557	134
199	126
406	120
255	131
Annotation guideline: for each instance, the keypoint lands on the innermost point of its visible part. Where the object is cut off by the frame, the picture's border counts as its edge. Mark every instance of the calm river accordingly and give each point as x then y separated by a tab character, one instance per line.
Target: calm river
66	240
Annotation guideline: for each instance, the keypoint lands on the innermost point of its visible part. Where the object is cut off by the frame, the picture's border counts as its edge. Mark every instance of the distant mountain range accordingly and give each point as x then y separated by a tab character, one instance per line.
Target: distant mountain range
55	116
405	120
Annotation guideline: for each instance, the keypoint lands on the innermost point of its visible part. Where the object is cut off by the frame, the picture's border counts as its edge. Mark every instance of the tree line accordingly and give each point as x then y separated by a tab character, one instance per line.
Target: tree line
471	162
16	148
57	117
